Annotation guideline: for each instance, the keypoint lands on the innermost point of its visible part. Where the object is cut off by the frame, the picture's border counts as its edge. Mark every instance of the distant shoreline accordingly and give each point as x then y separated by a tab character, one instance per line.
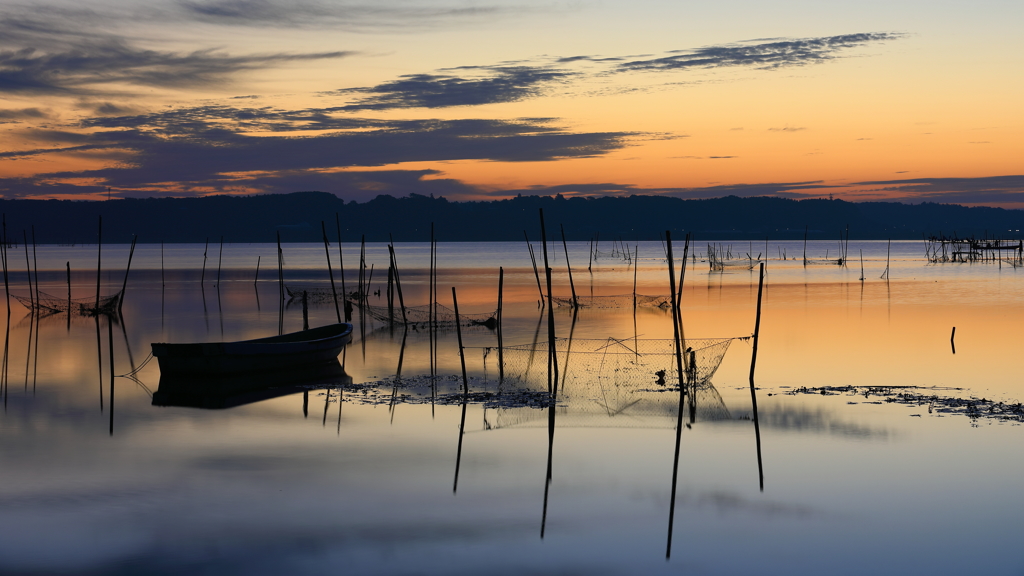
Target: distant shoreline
298	216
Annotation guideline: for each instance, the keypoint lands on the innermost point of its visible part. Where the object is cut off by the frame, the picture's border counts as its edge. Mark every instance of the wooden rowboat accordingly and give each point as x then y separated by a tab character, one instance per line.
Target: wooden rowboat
295	350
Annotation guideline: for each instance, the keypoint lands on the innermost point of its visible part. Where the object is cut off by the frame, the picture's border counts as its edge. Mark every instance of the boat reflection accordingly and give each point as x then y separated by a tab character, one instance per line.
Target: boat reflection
227	391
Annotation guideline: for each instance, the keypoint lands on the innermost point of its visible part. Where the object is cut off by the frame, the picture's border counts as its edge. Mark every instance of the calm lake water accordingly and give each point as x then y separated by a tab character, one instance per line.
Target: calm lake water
372	476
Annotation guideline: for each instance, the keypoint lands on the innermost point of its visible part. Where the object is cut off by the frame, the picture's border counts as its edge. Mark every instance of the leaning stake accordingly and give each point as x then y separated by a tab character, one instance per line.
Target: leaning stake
330	272
458	330
753	362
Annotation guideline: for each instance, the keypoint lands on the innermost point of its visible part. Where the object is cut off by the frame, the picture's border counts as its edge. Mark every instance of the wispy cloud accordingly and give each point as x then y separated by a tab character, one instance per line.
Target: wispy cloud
8	115
304	13
761	54
114	61
982	190
499	84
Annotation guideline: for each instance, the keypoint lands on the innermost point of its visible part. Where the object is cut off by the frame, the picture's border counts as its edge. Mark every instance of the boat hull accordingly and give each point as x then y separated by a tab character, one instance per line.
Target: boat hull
298	349
220	391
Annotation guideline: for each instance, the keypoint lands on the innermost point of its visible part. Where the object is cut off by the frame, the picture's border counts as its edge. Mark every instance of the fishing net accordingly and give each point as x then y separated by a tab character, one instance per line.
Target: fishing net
615	301
83	306
633	381
413	315
420	315
637	361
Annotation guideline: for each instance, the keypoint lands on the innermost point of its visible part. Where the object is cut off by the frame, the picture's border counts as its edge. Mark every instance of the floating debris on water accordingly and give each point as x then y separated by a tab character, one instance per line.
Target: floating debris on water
444	390
973	407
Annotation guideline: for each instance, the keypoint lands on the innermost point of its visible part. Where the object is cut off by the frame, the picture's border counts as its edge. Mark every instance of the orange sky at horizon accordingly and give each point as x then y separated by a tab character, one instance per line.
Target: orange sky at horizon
779	101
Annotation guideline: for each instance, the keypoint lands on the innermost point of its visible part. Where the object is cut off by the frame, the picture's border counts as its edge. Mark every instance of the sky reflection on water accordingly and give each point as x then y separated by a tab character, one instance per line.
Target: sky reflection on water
852	484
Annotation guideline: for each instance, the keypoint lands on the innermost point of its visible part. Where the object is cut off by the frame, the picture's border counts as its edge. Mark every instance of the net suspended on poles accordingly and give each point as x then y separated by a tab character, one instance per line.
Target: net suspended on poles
84	306
637	361
616	382
443	316
614	301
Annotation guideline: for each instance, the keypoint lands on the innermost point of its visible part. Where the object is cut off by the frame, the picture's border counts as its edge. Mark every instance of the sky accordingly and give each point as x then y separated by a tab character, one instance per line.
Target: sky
908	101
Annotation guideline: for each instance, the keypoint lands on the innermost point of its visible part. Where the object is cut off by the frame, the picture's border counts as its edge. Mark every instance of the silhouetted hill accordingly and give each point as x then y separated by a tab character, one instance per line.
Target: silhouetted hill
297	217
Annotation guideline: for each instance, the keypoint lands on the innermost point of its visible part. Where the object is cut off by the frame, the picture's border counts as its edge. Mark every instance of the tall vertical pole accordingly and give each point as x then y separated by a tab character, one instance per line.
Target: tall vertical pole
280	285
99	260
682	390
341	269
35	261
327	252
552	352
572	287
28	268
501	353
753	362
220	260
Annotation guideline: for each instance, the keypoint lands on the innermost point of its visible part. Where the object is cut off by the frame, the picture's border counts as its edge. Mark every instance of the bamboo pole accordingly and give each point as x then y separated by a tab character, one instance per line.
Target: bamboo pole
533	258
501	353
35	261
398	279
280	285
341	270
124	286
220	260
682	390
362	268
206	248
3	252
28	267
806	228
327	253
572	287
99	260
753	363
458	331
552	355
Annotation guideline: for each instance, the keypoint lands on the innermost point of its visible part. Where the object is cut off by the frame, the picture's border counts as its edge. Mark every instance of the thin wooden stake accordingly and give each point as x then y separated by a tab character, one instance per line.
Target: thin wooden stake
206	248
28	267
341	270
572	287
398	279
280	285
682	391
458	330
99	260
220	260
327	252
35	261
552	353
501	353
753	363
533	258
124	286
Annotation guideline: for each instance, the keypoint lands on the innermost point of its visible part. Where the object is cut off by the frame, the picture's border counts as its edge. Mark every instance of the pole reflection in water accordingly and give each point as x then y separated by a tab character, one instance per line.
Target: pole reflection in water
110	344
99	357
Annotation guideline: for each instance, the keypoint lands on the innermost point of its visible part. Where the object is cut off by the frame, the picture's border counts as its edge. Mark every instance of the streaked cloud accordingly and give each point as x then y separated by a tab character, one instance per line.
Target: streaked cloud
498	84
761	54
983	190
347	15
9	115
113	61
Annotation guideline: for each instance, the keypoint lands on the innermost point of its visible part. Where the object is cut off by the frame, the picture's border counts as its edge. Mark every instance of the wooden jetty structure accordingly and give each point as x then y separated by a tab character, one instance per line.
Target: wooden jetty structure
970	249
